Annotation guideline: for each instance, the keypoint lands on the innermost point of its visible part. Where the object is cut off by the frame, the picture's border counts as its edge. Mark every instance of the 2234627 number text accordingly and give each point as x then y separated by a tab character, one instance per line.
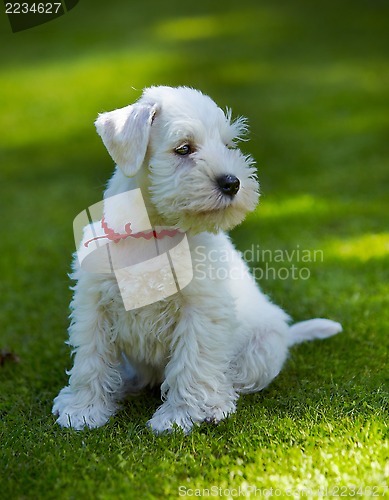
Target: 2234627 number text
34	8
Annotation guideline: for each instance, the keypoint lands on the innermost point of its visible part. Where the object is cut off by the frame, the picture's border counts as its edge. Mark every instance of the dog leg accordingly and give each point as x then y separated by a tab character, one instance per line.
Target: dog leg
263	353
261	342
259	359
95	381
196	387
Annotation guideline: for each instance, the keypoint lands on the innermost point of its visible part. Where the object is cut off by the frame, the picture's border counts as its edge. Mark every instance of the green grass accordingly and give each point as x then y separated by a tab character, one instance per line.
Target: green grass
313	79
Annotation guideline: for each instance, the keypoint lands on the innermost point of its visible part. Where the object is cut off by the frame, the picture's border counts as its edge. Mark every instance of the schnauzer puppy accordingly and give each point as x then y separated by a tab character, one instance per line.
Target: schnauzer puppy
208	334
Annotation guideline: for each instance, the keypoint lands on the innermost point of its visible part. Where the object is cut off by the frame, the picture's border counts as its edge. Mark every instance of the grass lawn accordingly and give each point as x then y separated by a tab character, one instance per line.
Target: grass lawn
312	77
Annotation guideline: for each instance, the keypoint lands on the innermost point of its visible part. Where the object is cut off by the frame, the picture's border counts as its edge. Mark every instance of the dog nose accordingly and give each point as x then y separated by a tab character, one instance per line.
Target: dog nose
228	184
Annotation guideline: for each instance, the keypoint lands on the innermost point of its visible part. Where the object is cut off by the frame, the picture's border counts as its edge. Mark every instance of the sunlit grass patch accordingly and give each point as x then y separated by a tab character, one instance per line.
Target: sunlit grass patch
291	206
62	98
362	248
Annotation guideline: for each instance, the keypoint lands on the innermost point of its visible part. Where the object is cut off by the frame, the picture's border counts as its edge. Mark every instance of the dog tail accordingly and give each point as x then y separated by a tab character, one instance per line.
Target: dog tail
312	329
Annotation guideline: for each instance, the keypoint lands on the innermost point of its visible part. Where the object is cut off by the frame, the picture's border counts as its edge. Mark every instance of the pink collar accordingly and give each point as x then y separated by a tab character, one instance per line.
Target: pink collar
110	234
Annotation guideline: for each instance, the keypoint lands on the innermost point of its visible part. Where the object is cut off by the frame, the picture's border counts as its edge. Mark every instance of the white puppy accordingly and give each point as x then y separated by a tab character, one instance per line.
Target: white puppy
217	335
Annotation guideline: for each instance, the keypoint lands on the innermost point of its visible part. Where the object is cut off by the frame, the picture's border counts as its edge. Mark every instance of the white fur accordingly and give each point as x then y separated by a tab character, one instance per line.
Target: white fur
219	336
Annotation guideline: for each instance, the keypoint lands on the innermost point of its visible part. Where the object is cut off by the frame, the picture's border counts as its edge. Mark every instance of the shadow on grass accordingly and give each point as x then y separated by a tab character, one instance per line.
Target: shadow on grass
272	26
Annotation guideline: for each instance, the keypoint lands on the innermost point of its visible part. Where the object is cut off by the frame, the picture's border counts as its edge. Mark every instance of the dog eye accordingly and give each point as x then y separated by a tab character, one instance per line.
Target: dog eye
183	150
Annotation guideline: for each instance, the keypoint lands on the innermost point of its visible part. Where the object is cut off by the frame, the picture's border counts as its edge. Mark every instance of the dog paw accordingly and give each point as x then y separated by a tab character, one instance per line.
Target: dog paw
219	414
71	411
167	418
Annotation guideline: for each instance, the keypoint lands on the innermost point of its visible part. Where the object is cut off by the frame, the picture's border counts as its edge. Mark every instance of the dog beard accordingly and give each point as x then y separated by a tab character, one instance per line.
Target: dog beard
212	213
194	202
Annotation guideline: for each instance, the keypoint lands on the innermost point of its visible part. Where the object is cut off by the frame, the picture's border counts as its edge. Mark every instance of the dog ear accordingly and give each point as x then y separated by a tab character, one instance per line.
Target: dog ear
125	133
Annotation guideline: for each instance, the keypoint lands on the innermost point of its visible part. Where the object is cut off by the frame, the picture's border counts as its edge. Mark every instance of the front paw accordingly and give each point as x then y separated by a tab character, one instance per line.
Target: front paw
167	418
216	415
74	410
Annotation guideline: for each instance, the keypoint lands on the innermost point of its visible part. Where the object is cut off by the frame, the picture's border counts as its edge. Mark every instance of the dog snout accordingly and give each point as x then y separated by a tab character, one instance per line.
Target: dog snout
228	184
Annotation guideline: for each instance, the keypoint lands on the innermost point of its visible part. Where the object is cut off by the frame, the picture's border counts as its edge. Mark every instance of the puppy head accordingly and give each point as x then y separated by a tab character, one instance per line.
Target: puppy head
182	147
